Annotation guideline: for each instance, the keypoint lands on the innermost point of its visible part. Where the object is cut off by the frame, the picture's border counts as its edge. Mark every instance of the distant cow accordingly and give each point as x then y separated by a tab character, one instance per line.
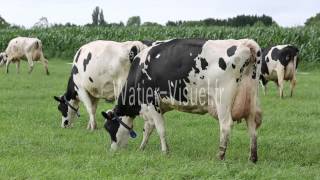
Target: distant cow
99	68
279	63
197	76
20	47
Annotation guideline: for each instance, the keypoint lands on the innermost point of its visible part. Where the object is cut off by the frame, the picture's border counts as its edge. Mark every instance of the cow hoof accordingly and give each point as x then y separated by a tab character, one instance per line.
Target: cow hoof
166	152
221	156
253	159
48	73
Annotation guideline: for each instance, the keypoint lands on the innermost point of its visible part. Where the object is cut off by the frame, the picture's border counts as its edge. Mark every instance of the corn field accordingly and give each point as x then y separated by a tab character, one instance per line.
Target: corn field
63	42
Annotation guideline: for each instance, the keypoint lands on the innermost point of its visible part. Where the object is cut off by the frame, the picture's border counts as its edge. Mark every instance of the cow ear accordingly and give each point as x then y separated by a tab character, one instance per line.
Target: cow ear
105	115
57	98
133	52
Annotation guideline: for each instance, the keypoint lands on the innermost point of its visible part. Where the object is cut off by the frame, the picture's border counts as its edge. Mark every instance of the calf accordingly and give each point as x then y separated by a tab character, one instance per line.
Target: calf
30	48
279	63
197	76
99	68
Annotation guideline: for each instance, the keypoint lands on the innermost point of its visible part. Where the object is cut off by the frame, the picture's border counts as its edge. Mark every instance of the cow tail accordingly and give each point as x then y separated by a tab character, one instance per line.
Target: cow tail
255	69
38	45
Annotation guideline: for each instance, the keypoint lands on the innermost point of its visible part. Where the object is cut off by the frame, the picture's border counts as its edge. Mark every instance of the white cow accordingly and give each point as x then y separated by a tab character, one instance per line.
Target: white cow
99	68
198	76
279	63
20	47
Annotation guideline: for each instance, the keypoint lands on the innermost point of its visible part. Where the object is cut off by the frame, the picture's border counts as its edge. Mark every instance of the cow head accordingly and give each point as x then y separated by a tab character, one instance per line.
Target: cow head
3	58
119	128
68	109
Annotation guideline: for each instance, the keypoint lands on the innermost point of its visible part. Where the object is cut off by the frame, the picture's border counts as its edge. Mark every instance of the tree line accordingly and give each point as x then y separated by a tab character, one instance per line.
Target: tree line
238	21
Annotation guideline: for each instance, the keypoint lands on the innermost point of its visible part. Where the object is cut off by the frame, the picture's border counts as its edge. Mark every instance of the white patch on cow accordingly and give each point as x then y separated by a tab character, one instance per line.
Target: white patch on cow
158	55
190	54
145	72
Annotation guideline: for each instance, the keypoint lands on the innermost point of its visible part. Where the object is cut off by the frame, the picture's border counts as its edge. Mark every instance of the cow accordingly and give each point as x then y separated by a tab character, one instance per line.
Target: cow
219	77
279	64
98	71
20	47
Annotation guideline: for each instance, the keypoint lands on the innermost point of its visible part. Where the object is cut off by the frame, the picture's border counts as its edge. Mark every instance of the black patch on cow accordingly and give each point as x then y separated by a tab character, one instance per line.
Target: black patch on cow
77	57
37	45
133	52
258	62
74	70
263	80
237	80
204	63
90	79
287	54
70	94
111	125
222	64
264	67
174	65
265	60
231	50
233	66
254	73
196	70
241	69
275	54
259	53
201	77
147	42
86	61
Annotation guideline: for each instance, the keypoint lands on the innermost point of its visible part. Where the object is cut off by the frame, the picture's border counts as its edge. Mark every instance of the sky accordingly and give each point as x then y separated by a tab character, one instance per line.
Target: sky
286	13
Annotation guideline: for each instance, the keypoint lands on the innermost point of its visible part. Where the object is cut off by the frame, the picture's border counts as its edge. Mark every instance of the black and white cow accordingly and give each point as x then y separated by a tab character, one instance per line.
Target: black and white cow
279	63
198	76
99	69
19	47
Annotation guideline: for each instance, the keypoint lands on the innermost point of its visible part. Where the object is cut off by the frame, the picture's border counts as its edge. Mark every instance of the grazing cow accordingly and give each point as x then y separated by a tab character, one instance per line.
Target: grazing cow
99	68
198	76
20	47
279	63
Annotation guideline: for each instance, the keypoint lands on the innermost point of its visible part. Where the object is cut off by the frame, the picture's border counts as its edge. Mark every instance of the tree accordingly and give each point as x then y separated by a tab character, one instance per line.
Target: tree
95	16
102	22
150	24
134	21
3	23
313	20
42	23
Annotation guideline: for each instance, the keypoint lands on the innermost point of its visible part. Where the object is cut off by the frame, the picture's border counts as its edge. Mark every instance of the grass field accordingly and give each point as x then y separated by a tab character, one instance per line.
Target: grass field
33	146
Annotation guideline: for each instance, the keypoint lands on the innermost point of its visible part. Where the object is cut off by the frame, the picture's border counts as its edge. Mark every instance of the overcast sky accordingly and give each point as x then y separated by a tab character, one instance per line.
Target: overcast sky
27	12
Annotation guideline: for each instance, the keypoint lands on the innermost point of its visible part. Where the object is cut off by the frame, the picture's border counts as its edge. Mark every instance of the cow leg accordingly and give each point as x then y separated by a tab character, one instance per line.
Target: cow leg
159	124
292	85
225	122
91	106
263	82
30	62
44	61
147	131
252	125
280	74
7	65
18	66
